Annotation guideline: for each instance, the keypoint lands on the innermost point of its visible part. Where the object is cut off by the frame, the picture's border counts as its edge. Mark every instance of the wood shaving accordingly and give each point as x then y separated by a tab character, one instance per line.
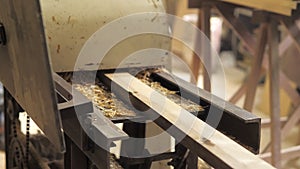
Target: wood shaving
188	105
104	100
113	163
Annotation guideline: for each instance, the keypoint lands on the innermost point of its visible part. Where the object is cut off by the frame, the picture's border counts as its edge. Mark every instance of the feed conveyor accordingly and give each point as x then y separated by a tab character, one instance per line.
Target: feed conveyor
40	41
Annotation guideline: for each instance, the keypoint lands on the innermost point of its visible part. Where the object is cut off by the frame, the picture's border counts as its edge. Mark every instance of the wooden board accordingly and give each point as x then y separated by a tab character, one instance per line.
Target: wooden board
276	6
223	149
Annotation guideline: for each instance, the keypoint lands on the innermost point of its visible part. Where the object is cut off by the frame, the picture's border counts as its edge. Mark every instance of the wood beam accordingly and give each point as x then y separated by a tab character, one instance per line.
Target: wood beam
267	122
286	154
226	11
275	6
256	67
206	46
283	46
196	60
293	30
288	125
273	40
209	144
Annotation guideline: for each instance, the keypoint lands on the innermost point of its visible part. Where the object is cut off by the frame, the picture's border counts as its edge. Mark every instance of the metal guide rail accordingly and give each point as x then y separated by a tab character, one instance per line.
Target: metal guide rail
218	151
232	119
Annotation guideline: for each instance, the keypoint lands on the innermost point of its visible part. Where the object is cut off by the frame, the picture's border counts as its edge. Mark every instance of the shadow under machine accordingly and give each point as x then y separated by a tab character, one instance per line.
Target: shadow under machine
50	68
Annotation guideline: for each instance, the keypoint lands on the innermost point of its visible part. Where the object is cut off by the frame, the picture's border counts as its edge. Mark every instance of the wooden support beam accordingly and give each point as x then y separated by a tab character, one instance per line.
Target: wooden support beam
267	122
208	143
273	40
293	30
286	154
288	125
292	121
270	6
206	47
238	94
226	11
256	67
292	92
204	25
283	46
283	3
196	59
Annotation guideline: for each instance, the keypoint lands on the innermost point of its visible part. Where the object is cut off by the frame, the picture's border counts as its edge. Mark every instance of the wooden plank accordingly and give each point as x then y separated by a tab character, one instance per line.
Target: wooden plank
276	8
282	6
256	67
273	40
228	153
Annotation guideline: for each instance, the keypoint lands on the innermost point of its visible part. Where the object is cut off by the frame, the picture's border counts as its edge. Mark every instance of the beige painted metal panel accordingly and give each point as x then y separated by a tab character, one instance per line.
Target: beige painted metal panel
69	24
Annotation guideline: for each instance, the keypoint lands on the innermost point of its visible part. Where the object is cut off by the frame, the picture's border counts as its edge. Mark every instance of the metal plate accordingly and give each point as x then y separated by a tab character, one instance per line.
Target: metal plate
25	67
242	126
70	25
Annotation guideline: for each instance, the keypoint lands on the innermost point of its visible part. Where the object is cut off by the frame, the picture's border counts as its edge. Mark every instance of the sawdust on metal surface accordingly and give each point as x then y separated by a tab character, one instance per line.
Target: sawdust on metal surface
104	100
186	104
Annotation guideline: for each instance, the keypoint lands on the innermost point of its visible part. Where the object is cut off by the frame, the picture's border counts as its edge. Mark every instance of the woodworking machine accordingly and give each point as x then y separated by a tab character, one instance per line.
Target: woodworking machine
40	41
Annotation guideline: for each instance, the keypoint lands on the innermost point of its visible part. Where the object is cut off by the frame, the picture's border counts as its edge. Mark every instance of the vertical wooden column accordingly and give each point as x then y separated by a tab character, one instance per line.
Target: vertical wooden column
256	67
196	60
206	47
204	25
273	39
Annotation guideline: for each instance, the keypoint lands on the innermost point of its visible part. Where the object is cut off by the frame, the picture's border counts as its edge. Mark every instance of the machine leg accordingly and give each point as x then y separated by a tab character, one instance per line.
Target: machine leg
136	130
192	161
74	157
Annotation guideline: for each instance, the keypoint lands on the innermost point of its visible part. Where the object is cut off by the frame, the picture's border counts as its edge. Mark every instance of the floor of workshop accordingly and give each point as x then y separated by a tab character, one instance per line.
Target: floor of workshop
234	78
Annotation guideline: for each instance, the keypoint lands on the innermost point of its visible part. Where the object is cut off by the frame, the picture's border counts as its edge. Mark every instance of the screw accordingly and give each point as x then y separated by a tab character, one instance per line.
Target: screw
2	35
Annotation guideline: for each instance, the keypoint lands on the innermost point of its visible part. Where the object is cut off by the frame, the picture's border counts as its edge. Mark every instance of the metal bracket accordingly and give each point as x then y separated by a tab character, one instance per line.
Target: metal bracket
2	35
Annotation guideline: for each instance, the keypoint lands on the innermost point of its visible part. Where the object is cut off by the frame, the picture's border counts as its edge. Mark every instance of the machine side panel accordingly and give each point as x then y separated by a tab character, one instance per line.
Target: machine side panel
121	43
25	67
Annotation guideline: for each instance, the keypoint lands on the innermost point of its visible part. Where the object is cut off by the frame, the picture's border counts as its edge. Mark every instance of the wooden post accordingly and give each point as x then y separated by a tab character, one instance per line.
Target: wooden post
256	67
203	24
273	38
205	47
196	60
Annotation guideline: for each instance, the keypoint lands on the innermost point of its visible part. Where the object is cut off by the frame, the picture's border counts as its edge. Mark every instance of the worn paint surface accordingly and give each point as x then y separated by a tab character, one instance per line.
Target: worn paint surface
69	24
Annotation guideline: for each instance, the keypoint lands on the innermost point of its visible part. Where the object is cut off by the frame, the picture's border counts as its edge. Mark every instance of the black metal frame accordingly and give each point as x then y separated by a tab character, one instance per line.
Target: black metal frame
236	123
